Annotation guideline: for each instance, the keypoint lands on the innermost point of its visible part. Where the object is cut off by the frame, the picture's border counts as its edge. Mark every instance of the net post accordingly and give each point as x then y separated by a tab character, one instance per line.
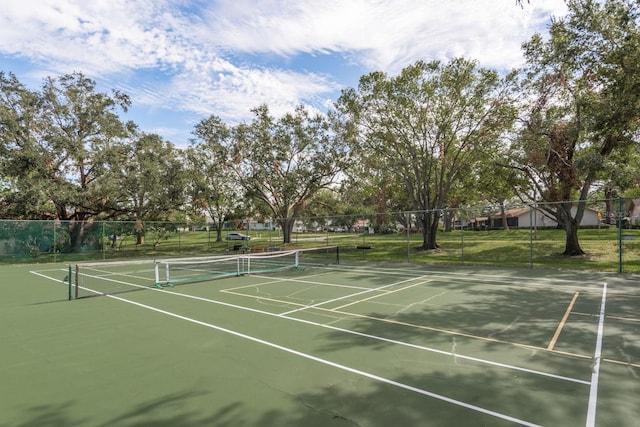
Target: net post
156	273
70	282
297	261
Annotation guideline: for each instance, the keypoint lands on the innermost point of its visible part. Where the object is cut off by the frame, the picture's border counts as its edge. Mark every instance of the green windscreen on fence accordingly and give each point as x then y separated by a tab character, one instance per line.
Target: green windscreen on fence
517	235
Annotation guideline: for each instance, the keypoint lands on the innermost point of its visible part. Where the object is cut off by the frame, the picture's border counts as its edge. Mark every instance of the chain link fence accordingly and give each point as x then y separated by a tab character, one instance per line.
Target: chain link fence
527	236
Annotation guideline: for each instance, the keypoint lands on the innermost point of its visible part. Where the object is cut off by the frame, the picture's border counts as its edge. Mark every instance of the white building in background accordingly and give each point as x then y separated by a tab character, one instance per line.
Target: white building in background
525	217
255	225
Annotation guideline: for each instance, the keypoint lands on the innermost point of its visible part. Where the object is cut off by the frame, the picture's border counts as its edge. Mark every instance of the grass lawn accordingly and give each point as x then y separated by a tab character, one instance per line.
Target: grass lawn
605	249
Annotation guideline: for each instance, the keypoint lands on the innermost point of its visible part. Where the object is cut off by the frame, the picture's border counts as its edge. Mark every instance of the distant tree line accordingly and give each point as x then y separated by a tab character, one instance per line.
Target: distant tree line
439	135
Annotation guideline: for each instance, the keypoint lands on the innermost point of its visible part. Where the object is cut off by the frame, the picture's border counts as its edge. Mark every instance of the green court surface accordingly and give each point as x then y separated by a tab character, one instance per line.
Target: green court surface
363	345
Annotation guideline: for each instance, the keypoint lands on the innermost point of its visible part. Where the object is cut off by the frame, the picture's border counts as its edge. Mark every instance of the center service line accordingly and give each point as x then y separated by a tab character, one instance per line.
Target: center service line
595	372
367	291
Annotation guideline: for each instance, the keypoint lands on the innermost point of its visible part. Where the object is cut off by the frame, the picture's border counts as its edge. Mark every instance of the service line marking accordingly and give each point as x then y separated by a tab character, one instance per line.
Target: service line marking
366	291
374	337
380	295
334	364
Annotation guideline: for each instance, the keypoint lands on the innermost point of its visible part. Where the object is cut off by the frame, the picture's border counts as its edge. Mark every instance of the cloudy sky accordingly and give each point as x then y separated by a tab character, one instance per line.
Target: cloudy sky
183	60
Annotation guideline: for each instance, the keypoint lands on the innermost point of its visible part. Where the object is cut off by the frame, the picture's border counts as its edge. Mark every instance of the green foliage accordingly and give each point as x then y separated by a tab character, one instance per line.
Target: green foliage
428	127
147	179
52	145
426	139
67	155
584	81
283	162
213	188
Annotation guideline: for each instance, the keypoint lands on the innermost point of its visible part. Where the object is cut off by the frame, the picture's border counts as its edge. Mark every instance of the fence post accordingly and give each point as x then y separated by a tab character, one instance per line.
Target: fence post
408	228
461	239
620	268
55	240
70	276
531	215
102	244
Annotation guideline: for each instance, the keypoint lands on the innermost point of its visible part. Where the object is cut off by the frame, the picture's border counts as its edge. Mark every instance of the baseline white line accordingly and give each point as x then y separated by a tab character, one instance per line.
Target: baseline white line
595	373
351	295
473	277
335	365
378	338
348	331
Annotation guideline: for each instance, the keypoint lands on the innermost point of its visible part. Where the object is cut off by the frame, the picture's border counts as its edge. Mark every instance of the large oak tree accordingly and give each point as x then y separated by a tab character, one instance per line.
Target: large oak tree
54	145
282	162
430	125
213	186
584	81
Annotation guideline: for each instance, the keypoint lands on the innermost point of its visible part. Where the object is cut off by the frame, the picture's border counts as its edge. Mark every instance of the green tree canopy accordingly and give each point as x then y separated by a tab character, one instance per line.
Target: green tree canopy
283	162
213	187
22	128
430	124
585	85
54	144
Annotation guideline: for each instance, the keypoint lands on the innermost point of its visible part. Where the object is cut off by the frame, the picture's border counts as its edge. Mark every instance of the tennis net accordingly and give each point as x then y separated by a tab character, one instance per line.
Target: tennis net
106	278
113	277
175	271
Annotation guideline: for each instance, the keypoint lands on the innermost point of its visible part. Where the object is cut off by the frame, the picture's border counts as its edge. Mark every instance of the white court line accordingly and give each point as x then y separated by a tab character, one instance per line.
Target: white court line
361	334
350	296
96	277
378	338
306	282
474	277
335	365
595	373
49	277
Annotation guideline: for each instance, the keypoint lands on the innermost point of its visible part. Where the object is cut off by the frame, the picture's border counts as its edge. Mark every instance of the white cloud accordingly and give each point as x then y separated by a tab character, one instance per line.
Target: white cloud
383	34
98	37
183	55
231	94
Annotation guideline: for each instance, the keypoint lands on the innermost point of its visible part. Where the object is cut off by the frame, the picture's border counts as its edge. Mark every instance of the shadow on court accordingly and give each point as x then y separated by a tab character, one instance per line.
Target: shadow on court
100	362
350	402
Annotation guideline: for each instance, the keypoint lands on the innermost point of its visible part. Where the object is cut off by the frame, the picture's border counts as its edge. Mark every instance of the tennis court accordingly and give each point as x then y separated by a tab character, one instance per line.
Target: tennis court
319	344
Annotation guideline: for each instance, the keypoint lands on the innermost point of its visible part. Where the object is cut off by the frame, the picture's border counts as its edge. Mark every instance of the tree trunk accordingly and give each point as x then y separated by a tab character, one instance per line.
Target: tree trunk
287	228
429	229
139	232
448	218
218	225
503	213
608	195
572	245
76	232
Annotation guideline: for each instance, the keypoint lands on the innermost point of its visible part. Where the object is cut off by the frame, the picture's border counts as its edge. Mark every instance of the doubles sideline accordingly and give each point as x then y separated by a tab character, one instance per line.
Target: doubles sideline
332	364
